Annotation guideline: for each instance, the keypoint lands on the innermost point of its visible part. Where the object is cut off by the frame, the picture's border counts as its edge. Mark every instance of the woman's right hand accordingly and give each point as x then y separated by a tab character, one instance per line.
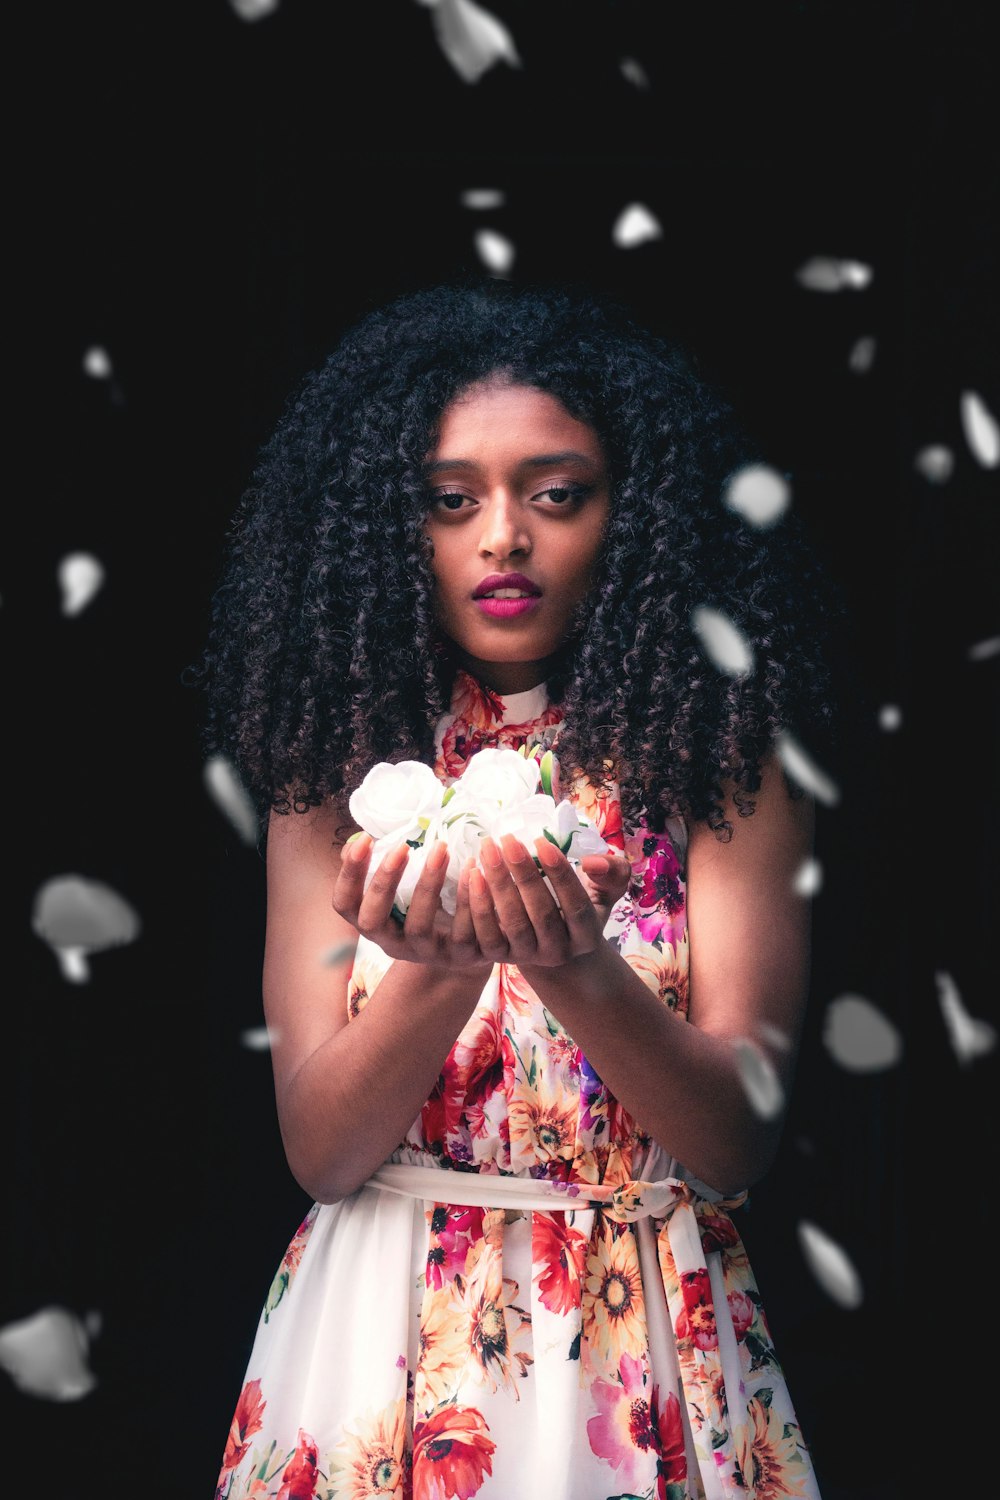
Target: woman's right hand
428	935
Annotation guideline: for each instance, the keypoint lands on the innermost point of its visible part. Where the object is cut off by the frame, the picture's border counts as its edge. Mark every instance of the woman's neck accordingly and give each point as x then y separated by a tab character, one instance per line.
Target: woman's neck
507	676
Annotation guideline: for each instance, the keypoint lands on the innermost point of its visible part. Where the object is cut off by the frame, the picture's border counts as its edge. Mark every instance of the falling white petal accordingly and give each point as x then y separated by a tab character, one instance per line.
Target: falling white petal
935	463
340	953
970	1036
727	647
80	576
827	273
97	362
758	493
495	250
830	1265
775	1036
483	198
258	1038
230	796
808	878
254	10
859	1037
634	226
862	355
760	1081
633	71
93	1322
980	428
983	650
804	770
46	1355
855	273
471	38
76	917
890	716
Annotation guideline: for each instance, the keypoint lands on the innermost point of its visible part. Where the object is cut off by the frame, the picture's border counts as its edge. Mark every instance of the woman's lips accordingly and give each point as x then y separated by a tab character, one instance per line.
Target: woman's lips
503	609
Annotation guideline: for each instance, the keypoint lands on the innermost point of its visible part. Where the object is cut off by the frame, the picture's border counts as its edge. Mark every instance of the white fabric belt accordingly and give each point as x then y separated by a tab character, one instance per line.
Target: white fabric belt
626	1202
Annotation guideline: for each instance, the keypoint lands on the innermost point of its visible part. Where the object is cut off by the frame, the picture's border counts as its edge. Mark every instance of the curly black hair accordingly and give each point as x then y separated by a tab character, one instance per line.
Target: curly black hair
323	655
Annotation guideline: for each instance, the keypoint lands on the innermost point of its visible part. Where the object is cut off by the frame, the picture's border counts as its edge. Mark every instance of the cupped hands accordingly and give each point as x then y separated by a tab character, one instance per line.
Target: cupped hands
507	915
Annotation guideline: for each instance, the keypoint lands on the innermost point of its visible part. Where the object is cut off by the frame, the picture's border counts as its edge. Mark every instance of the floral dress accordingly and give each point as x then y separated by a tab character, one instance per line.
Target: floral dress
530	1298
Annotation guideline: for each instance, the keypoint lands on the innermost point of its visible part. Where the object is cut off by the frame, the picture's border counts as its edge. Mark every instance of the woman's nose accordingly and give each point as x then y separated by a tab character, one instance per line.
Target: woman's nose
504	528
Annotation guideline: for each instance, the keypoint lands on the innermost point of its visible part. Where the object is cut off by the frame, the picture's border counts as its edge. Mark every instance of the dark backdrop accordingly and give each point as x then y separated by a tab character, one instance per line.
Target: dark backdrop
212	200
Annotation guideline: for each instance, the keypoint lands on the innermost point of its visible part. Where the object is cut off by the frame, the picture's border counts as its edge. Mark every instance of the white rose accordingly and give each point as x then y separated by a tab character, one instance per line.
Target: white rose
494	779
583	834
462	832
396	801
526	820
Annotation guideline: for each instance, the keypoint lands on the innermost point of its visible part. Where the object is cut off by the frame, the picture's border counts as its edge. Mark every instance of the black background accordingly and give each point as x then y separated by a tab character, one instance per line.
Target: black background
213	201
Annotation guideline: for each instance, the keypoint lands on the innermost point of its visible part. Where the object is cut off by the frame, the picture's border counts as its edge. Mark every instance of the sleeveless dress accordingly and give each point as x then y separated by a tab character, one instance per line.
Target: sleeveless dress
531	1298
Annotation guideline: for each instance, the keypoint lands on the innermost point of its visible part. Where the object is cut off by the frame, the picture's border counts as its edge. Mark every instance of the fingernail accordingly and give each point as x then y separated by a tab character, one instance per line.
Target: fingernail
514	850
547	853
360	848
438	855
491	854
399	856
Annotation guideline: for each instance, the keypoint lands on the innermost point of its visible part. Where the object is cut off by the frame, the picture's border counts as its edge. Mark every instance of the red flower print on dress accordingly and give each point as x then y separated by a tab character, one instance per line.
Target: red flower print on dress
298	1482
717	1232
452	1454
247	1420
559	1255
697	1321
672	1466
432	1119
474	1059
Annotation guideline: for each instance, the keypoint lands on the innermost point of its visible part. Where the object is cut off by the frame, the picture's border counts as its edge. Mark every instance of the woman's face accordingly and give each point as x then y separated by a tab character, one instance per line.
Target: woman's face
516	486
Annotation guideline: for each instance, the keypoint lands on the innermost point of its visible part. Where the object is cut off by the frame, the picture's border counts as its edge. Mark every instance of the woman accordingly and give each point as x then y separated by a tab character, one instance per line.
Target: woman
526	1125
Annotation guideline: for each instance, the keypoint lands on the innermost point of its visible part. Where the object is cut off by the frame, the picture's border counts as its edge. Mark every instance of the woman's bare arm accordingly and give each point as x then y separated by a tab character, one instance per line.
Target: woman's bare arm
749	936
346	1094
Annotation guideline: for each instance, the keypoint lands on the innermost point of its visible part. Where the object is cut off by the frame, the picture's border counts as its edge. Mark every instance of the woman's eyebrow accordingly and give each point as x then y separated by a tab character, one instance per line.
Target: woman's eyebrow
541	461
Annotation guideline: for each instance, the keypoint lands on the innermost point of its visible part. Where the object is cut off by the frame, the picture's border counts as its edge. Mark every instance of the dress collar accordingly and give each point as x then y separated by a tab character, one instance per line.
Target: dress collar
472	701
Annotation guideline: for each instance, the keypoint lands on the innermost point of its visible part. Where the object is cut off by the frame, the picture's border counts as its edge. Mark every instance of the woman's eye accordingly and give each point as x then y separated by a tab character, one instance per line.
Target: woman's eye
561	495
565	494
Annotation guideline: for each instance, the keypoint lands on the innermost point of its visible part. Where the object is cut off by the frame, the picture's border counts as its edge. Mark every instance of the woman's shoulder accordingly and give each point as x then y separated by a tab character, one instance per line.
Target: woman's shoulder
781	825
315	836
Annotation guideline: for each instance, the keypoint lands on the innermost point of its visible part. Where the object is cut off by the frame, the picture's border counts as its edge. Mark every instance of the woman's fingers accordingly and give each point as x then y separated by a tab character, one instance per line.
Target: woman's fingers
493	939
462	936
515	913
577	908
375	910
349	887
424	902
610	873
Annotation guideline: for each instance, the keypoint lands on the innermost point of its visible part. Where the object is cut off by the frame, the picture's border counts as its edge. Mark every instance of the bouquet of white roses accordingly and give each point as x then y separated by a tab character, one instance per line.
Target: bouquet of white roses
501	791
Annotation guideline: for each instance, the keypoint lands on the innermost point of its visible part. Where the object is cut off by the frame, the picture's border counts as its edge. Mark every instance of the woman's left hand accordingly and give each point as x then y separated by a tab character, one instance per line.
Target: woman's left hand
515	917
